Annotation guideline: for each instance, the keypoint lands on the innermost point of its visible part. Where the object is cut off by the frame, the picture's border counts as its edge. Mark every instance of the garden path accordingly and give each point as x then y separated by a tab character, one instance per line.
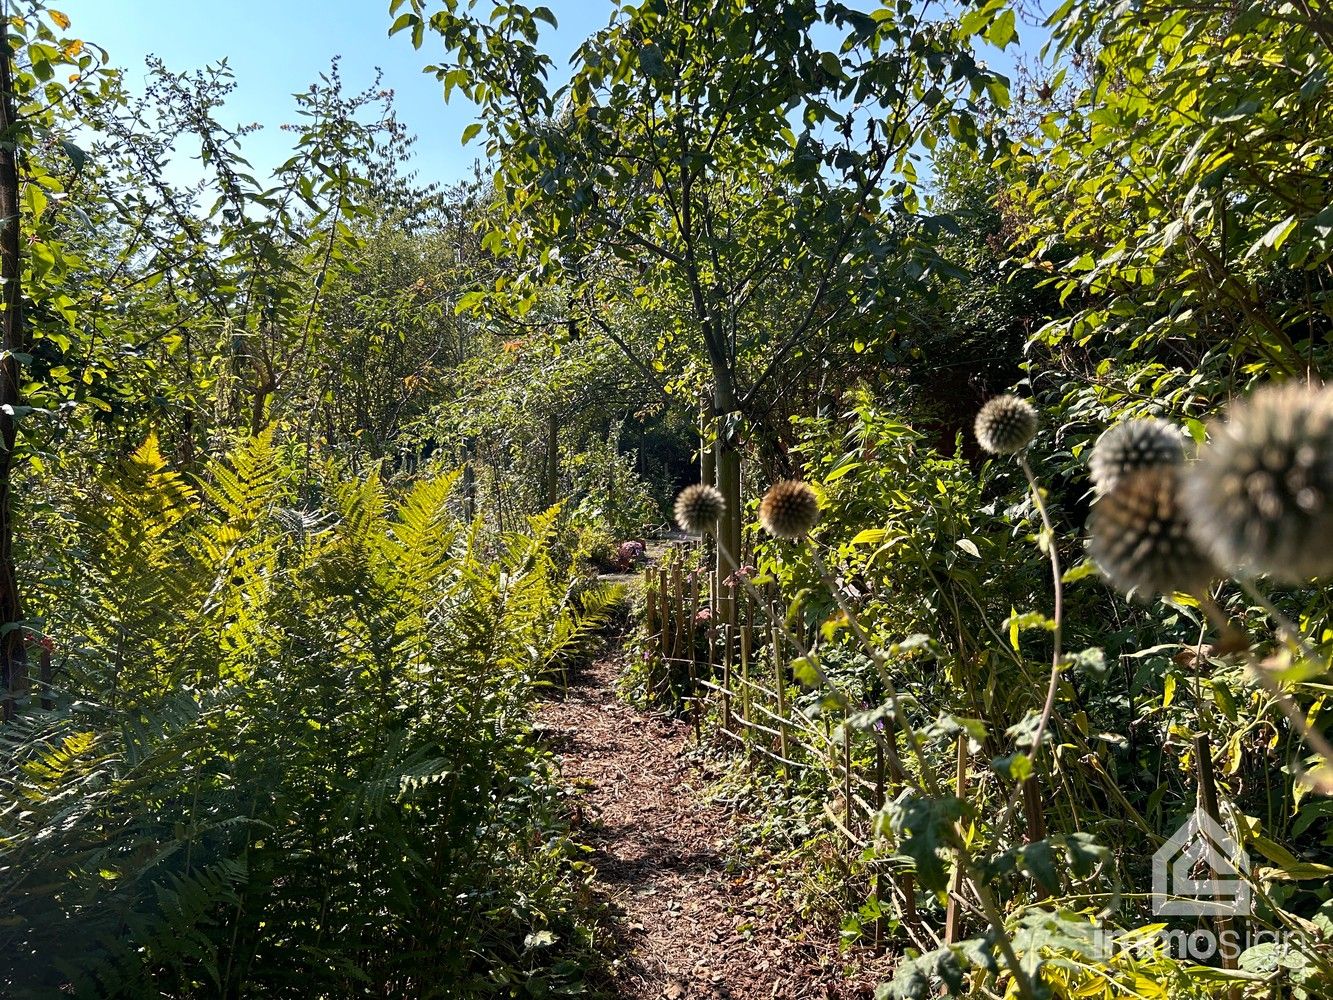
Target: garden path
689	922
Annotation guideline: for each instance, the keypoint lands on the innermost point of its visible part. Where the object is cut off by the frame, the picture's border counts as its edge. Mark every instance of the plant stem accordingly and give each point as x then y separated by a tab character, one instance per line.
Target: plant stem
1057	582
1057	633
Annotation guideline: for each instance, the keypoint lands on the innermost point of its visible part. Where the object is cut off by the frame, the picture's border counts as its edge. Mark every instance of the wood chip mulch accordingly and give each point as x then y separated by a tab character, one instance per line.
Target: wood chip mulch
687	924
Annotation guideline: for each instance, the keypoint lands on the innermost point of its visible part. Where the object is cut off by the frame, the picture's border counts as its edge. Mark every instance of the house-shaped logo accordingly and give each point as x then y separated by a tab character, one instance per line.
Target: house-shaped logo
1201	871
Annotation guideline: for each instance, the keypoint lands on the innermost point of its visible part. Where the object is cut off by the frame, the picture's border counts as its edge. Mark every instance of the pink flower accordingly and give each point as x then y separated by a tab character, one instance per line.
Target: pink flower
744	573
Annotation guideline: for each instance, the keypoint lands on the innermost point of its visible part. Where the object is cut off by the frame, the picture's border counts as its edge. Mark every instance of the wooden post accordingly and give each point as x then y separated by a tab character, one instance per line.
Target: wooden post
747	638
847	770
887	756
664	609
653	640
694	612
780	686
693	657
678	608
877	882
726	675
1036	821
668	627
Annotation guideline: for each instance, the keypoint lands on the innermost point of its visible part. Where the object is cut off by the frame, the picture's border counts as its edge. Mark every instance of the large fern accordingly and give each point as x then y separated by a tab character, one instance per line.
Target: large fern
287	754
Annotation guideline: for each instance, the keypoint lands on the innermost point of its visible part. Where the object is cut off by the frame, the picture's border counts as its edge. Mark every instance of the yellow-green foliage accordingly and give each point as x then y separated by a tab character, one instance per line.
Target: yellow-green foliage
289	746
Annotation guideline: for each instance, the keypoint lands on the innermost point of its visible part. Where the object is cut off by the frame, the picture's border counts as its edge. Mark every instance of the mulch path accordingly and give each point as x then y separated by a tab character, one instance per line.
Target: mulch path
686	924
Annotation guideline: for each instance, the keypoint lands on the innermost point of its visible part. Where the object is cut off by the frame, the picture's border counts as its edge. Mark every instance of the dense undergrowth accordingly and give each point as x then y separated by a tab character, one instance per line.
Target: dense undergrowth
943	557
266	663
288	750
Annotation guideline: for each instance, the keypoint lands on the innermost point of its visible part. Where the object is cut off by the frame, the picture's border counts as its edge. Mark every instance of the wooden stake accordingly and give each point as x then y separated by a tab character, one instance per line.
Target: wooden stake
780	686
747	637
650	630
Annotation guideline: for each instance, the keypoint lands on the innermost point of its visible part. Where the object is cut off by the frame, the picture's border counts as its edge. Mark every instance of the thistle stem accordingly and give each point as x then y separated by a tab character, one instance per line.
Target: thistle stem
1057	634
1057	583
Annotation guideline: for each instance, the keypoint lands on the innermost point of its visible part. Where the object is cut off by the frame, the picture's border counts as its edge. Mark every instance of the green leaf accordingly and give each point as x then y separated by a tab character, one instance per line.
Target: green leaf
870	536
1002	32
1038	861
76	155
1017	766
841	471
650	60
1083	570
803	669
1276	236
923	828
540	939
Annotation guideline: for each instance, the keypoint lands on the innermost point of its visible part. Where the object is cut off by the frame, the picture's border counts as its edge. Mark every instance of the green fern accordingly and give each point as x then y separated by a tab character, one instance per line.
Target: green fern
278	725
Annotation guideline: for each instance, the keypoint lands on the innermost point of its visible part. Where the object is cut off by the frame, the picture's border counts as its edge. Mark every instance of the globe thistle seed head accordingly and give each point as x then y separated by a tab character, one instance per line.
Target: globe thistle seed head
1134	444
1141	536
698	508
1006	425
789	509
1261	494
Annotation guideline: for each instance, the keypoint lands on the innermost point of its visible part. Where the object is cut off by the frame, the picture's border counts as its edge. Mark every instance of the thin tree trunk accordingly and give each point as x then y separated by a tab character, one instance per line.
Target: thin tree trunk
707	455
729	485
13	663
552	459
470	479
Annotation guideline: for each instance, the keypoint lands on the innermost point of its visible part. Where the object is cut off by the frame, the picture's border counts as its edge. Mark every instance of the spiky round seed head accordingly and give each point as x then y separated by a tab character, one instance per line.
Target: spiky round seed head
1006	425
1261	494
1132	445
789	509
1141	536
698	508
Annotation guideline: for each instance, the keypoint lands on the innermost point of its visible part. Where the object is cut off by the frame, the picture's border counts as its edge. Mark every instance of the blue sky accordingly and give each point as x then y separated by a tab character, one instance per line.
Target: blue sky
278	47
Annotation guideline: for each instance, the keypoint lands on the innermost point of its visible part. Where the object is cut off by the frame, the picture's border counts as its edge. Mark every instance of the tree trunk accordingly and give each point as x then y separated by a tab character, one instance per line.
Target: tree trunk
469	479
13	663
707	452
552	460
729	485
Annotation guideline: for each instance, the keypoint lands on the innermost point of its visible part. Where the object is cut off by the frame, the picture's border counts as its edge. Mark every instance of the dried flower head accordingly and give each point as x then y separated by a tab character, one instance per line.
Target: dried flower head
1135	444
1006	425
1261	494
789	509
1141	536
698	508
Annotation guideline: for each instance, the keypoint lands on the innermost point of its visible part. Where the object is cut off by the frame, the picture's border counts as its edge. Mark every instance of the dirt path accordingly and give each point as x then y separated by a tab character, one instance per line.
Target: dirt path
686	926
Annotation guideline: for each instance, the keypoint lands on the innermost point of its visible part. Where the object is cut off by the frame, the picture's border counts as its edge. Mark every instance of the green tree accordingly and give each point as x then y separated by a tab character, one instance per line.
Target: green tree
751	165
1177	190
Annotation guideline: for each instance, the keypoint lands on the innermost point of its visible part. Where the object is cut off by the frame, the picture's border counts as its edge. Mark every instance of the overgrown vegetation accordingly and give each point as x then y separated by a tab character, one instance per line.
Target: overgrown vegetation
306	479
298	756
